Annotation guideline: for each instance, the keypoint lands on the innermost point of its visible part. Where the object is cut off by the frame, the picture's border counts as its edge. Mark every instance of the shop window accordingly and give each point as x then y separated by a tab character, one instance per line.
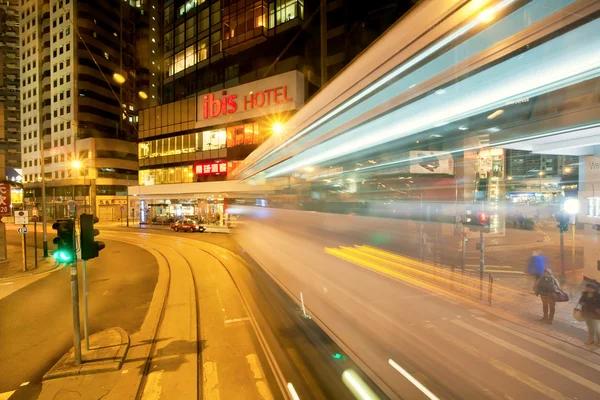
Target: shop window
215	40
190	56
169	14
190	28
203	50
179	62
214	140
169	67
215	16
203	20
179	34
168	41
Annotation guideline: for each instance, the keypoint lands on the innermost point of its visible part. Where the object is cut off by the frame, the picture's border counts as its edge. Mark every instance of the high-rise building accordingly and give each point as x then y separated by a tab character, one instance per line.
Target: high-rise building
232	71
83	79
353	25
10	129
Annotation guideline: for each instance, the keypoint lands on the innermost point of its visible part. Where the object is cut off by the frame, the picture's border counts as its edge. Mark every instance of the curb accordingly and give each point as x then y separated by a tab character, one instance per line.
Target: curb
62	368
28	275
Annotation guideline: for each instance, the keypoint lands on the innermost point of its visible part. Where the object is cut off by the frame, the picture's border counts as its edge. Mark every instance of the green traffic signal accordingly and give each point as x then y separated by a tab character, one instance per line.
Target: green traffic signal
62	256
338	356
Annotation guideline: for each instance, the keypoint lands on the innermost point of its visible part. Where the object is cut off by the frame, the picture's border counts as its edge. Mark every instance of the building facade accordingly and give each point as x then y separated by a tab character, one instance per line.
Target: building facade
83	81
232	72
10	110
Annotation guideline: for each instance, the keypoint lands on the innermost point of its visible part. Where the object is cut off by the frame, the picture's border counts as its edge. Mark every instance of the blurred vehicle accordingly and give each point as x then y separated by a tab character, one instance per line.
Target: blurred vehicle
187	225
162	219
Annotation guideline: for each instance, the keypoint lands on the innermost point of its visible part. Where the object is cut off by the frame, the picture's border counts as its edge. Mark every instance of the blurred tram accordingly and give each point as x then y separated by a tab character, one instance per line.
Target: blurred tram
421	127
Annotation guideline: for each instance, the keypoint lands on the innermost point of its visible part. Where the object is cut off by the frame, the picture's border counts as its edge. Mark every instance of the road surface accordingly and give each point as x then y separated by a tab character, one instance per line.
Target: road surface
397	326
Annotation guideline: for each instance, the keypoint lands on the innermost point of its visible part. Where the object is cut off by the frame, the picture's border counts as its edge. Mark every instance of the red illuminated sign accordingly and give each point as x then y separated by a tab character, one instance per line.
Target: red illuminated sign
215	107
211	168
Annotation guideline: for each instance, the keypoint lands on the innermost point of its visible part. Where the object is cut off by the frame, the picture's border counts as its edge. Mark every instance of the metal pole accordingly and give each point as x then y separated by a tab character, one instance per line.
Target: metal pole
573	250
85	306
562	253
481	263
35	258
75	301
464	250
24	241
127	201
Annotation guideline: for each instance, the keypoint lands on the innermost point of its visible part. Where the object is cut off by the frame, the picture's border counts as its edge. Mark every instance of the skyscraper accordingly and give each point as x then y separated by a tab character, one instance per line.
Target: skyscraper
82	81
10	151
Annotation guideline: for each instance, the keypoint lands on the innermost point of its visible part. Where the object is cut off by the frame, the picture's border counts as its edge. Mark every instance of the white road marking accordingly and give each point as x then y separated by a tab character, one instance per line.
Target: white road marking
153	389
125	371
6	283
293	391
255	367
6	395
543	362
24	383
211	381
231	321
542	344
412	380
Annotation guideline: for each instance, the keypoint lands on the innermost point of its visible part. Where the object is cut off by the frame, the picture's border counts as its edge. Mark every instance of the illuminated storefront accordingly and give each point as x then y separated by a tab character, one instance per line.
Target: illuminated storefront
197	141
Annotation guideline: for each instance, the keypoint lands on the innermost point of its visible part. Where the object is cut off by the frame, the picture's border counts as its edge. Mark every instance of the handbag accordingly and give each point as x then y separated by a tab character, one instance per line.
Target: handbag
560	296
578	313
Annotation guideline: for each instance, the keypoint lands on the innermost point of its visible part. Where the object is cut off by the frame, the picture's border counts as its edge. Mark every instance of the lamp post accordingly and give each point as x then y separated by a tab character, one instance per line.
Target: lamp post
571	207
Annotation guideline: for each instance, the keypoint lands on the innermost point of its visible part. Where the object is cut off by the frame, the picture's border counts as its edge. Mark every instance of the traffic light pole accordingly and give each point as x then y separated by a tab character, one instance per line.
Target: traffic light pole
75	300
85	306
562	254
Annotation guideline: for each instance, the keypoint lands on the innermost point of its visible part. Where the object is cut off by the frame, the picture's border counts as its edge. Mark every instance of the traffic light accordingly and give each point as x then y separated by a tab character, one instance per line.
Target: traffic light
477	221
64	240
89	247
563	220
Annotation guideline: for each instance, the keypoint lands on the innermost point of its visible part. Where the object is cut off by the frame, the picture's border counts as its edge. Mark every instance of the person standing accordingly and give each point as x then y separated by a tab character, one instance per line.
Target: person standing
536	267
546	286
590	306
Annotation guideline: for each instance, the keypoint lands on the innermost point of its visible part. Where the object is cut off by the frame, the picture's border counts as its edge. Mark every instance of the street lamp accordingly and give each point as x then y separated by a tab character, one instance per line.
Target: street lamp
120	79
78	165
277	128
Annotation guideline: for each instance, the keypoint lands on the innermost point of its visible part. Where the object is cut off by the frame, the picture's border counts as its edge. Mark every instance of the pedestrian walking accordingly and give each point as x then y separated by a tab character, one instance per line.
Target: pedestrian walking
536	267
590	306
546	288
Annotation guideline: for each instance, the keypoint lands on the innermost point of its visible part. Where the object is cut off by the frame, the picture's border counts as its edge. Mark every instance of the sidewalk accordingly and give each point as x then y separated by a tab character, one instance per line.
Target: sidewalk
13	269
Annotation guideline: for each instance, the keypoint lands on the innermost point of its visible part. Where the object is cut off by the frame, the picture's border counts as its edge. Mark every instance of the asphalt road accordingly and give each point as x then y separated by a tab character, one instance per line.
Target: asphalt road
36	321
405	332
303	353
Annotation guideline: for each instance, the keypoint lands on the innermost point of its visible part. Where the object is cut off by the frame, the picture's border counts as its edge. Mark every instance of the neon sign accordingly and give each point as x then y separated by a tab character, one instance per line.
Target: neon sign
211	168
228	104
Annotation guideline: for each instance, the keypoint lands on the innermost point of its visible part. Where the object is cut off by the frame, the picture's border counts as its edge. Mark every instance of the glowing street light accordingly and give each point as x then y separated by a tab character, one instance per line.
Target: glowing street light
568	170
143	95
120	79
76	164
277	128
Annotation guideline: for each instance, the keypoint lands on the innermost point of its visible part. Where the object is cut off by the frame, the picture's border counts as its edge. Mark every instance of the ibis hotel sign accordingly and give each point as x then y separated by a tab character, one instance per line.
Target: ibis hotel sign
273	95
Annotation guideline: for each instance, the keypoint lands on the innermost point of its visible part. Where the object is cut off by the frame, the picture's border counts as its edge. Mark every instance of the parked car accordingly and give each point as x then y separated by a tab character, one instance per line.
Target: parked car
187	225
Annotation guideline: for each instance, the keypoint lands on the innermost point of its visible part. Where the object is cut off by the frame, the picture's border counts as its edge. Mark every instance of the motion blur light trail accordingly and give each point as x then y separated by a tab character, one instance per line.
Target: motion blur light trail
357	386
421	274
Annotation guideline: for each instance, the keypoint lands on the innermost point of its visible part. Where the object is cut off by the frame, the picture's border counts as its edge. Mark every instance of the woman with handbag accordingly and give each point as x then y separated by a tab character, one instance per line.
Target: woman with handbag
590	305
546	287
